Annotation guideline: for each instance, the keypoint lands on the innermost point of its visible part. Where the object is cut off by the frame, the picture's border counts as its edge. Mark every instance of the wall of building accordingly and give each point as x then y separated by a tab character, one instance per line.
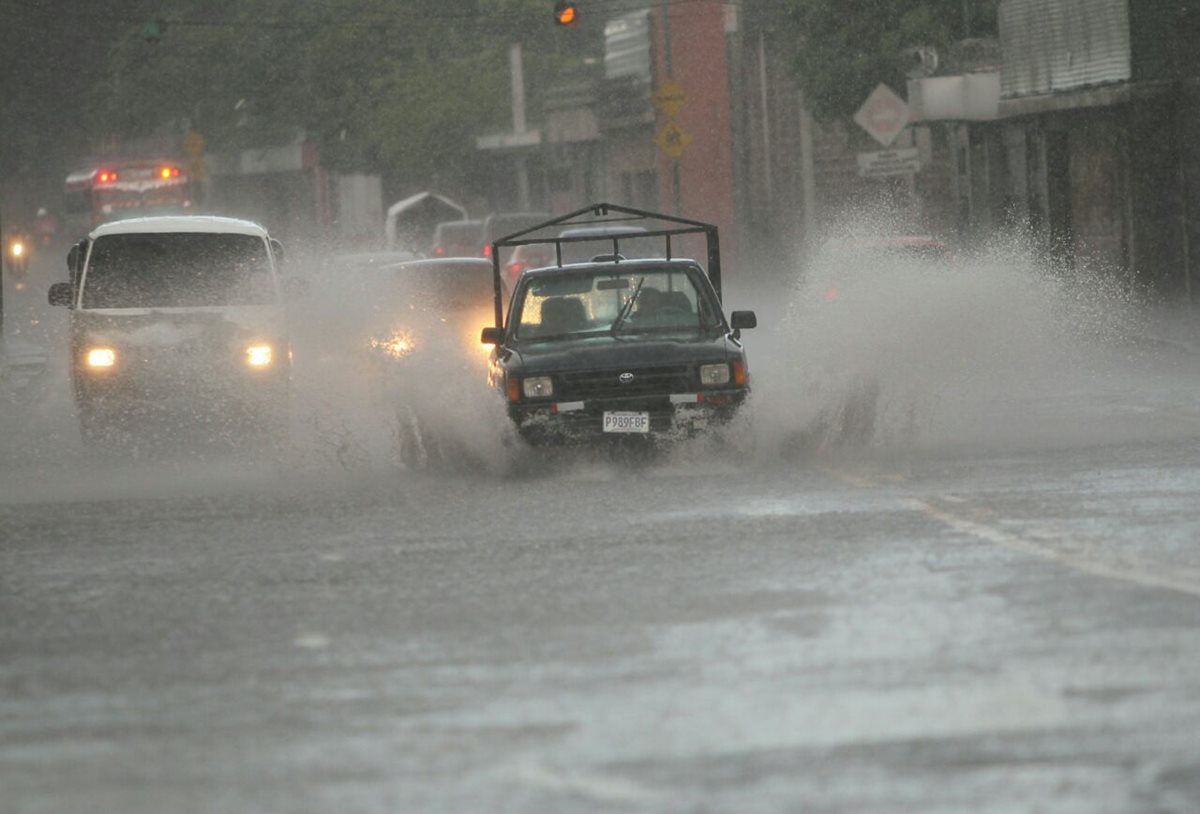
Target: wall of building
767	153
696	38
1189	179
1095	140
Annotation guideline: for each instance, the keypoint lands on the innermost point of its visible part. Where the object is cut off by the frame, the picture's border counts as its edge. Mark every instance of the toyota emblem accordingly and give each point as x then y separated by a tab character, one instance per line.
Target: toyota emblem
625	378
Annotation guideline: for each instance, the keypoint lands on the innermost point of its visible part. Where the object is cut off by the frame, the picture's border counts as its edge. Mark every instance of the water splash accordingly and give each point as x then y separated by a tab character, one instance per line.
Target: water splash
895	343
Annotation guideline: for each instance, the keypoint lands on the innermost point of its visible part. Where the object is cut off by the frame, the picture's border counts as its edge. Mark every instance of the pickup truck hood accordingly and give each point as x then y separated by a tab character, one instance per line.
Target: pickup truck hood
600	352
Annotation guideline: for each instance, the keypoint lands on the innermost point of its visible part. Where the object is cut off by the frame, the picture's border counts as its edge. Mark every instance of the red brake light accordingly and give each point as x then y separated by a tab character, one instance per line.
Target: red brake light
516	267
831	294
107	176
440	250
487	250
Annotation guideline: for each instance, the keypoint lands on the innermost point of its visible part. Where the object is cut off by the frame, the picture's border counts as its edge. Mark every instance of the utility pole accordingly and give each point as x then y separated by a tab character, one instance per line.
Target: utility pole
676	191
517	74
3	262
807	170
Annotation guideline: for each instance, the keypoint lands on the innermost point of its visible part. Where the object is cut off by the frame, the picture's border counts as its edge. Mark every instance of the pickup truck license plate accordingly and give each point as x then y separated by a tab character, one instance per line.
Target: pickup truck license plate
623	421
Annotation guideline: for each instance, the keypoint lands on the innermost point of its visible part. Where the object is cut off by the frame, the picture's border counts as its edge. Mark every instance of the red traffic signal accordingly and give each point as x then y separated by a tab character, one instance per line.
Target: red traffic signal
565	12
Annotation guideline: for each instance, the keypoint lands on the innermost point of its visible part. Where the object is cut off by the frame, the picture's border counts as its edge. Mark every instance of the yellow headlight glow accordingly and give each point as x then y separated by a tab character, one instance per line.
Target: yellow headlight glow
399	344
100	357
18	249
259	355
471	336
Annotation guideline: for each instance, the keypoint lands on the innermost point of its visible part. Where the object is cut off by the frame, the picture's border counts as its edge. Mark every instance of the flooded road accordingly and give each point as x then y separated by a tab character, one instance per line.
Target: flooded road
841	635
997	613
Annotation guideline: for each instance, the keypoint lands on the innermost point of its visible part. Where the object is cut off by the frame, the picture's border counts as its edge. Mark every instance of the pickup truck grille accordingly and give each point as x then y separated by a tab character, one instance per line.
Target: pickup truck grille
595	384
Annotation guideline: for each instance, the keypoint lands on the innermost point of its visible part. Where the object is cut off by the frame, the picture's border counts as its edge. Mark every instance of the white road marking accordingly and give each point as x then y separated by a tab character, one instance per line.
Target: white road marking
852	480
1125	571
595	786
1059	547
312	641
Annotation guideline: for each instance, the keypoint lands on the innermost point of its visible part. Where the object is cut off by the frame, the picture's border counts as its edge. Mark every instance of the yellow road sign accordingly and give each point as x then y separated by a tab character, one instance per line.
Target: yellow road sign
670	98
673	140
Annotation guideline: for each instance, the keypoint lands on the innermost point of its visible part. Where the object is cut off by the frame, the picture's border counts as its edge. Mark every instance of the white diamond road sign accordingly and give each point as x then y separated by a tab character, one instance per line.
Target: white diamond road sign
884	115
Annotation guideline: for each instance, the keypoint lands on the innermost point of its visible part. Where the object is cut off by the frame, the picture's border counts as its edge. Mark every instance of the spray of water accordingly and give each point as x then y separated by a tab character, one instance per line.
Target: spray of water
883	344
890	342
388	377
869	346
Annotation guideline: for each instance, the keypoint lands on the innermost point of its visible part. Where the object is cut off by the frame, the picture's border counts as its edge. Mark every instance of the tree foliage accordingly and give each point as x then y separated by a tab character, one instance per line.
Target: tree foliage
397	86
846	47
49	59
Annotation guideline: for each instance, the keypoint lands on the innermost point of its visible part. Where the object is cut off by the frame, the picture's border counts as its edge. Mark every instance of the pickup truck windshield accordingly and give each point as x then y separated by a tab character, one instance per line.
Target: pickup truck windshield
178	270
561	306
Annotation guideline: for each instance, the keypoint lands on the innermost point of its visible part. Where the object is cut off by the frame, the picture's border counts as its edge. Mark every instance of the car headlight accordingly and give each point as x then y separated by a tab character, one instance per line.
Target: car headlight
100	358
397	345
18	248
259	355
537	387
714	374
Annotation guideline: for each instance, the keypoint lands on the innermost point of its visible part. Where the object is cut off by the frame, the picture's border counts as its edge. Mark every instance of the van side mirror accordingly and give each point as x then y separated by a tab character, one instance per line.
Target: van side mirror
739	320
61	294
73	258
492	336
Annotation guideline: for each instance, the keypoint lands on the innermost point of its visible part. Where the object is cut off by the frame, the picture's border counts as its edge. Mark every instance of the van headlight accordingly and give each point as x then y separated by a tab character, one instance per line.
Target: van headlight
537	387
259	355
100	358
714	374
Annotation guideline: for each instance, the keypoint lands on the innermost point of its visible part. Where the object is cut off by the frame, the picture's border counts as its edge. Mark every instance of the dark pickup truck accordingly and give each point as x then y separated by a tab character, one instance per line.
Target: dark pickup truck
615	347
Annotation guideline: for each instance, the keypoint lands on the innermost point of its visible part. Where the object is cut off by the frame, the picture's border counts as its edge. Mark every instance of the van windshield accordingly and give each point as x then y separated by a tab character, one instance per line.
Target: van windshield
178	270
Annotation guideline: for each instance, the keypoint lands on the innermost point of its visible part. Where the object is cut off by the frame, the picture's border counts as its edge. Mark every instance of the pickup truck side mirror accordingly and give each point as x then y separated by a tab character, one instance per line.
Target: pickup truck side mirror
492	336
739	320
277	250
61	294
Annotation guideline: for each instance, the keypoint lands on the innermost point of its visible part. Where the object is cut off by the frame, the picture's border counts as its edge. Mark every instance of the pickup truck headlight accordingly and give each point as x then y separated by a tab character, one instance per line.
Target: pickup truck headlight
100	358
714	374
537	387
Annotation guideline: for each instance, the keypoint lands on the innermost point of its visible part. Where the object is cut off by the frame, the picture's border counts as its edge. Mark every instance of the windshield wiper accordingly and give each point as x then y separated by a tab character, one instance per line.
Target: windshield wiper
626	309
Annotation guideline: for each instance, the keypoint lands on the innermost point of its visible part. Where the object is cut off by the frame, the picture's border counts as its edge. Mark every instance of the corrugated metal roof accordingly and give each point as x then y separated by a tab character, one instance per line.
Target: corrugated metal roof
1059	45
627	46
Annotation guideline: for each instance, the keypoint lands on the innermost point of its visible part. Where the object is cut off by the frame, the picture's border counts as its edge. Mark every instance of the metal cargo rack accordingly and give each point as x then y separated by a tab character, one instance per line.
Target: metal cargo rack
605	214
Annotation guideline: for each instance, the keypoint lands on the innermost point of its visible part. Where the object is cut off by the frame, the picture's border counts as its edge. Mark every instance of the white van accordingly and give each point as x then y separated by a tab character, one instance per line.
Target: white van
177	317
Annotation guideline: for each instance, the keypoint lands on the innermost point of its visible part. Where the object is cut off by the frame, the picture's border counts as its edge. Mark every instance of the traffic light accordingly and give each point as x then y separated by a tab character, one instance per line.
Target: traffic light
565	12
153	30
